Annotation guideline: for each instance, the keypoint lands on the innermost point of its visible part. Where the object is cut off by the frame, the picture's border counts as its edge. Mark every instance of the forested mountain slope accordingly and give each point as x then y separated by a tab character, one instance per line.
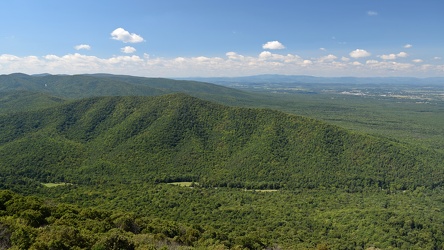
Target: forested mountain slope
182	138
15	101
82	86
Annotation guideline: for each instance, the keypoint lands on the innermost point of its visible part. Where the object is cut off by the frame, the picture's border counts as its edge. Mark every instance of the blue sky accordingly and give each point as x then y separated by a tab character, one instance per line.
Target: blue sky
180	38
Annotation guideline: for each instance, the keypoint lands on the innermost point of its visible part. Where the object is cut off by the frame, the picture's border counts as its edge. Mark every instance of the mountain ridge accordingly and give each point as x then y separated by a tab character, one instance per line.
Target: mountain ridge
181	138
88	85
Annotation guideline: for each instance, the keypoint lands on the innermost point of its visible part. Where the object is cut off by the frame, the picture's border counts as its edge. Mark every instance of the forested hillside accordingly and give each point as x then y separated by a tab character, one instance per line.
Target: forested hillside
181	138
14	101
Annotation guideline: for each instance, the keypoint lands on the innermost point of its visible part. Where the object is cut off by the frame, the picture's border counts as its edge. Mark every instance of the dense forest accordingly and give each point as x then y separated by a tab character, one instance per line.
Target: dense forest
181	138
169	217
31	223
118	170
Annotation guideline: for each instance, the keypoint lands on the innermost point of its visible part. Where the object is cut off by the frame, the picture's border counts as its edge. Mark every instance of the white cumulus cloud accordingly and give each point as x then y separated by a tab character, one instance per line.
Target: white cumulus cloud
122	35
7	57
393	56
388	57
358	53
265	54
417	61
408	46
82	46
371	62
234	56
402	54
128	49
328	58
278	58
273	45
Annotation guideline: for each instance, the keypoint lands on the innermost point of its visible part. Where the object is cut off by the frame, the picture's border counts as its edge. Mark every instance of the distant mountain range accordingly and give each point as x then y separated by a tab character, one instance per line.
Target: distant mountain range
29	92
79	86
303	79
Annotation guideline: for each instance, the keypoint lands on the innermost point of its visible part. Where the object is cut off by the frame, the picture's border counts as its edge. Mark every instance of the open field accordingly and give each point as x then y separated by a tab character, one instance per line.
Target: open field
184	184
51	185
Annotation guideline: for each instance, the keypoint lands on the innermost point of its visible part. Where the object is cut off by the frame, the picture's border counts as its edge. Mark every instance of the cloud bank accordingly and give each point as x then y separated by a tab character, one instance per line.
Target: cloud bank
231	64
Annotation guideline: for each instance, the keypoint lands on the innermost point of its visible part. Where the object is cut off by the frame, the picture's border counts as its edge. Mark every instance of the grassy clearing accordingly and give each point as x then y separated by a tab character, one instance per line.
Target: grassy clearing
51	185
266	190
262	190
184	183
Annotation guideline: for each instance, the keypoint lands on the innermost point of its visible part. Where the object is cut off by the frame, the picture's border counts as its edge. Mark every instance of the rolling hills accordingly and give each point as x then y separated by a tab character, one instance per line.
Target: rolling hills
260	178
